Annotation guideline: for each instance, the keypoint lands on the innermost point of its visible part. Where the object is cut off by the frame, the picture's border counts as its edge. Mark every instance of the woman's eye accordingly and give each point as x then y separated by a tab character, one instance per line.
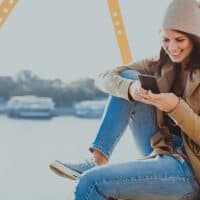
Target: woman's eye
165	40
180	40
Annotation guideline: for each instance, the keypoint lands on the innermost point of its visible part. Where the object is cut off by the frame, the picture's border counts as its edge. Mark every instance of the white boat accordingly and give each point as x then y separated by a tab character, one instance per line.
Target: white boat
90	109
30	107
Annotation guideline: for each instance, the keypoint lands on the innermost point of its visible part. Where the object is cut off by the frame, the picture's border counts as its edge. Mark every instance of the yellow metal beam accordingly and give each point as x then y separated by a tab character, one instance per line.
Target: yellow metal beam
6	8
120	31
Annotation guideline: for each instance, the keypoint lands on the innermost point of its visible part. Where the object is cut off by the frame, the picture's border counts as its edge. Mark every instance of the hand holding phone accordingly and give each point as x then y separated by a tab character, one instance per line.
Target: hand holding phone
149	82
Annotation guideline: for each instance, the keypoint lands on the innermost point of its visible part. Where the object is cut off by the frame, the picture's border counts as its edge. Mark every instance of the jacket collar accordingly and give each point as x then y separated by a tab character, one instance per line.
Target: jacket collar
192	84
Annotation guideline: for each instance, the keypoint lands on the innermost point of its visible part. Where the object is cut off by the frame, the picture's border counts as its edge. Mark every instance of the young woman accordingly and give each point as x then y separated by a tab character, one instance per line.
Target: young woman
165	126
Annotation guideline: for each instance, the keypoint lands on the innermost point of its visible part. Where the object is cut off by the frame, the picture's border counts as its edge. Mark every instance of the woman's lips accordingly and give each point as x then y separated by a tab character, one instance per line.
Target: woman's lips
176	55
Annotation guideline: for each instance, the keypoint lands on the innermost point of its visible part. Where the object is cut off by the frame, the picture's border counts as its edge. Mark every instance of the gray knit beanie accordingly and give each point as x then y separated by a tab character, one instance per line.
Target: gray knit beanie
183	15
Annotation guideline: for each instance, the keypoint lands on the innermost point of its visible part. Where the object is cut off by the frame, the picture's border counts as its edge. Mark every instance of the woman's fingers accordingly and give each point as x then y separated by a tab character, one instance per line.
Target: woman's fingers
163	101
151	96
143	100
136	90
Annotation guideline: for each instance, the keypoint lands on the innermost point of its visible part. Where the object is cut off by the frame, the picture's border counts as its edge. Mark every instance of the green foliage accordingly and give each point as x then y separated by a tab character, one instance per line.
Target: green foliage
7	85
63	94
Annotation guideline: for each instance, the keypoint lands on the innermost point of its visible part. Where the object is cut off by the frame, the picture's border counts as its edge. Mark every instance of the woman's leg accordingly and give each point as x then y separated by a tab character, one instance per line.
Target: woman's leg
118	114
143	125
159	178
114	122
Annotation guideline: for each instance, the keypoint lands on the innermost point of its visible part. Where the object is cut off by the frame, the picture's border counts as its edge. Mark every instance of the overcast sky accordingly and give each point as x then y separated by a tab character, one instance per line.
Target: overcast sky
72	39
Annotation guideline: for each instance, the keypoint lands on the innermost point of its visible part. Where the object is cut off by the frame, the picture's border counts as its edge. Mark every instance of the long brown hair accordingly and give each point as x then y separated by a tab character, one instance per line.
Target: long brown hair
194	61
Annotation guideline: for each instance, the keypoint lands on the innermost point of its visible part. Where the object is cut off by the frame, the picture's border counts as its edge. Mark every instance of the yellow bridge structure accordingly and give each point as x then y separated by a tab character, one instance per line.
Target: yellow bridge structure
7	6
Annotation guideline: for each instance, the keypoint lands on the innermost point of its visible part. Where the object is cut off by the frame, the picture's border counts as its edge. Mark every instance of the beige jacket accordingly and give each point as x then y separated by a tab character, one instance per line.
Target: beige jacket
186	114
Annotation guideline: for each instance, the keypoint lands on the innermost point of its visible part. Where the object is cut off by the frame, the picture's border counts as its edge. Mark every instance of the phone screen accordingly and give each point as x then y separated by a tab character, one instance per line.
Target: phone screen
149	82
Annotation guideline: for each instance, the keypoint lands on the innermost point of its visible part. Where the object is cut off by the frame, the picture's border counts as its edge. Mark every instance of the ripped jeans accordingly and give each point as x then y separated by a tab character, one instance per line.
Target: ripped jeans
159	178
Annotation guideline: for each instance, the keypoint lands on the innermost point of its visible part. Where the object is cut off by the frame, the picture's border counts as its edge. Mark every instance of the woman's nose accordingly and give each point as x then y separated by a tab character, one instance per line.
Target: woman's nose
172	47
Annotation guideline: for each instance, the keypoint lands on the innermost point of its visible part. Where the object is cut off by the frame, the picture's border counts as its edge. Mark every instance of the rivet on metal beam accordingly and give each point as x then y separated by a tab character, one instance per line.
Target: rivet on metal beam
5	10
119	32
115	14
117	23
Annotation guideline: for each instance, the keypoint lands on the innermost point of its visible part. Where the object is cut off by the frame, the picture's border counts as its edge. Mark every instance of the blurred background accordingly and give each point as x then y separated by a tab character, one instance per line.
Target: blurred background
51	52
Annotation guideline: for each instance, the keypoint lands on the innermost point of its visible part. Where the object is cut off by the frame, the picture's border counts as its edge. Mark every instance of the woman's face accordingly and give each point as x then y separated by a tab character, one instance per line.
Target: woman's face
177	45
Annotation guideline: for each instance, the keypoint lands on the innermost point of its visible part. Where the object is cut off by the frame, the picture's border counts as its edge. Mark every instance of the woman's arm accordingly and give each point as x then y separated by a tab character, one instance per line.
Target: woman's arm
178	110
188	120
111	82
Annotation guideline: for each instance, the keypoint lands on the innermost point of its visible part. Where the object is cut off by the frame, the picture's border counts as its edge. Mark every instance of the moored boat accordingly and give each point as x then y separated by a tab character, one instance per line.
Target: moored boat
90	109
30	107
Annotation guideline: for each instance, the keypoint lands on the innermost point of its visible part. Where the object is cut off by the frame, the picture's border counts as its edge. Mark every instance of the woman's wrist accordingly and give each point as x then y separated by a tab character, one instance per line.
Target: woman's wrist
174	108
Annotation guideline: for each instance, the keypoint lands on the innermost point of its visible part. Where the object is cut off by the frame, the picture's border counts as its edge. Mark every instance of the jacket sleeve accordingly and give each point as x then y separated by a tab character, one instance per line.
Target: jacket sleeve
188	120
111	82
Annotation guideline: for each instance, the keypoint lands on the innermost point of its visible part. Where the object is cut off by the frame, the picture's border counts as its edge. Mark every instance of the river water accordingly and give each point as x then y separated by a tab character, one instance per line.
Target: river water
28	146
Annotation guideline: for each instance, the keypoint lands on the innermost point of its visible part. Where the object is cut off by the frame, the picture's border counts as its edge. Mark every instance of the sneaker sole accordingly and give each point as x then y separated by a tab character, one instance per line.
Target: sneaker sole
58	168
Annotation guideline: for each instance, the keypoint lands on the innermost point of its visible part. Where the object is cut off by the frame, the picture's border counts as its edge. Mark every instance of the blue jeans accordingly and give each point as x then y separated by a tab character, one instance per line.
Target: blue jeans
159	178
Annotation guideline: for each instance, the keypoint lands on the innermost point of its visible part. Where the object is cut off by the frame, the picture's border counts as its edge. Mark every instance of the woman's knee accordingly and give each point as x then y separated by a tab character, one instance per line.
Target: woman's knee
88	178
84	186
97	182
87	186
130	74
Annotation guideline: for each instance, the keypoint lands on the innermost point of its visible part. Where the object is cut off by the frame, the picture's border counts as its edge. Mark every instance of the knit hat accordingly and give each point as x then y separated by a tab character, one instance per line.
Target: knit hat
183	15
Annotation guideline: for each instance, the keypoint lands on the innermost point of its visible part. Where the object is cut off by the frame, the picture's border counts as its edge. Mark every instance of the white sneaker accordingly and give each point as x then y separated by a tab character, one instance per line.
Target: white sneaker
71	171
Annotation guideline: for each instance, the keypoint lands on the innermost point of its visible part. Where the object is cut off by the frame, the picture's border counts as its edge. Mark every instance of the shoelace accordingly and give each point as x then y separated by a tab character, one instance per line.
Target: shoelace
88	163
83	164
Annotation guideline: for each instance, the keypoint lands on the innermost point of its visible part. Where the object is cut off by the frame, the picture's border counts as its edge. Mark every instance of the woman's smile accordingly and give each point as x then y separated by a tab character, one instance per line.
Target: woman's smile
177	45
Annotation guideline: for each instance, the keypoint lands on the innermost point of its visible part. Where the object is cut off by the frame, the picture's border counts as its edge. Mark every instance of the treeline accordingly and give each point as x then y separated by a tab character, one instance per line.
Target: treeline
63	94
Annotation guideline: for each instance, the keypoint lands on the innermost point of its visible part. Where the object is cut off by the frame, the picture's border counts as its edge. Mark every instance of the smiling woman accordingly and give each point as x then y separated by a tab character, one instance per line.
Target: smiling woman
165	126
68	39
177	45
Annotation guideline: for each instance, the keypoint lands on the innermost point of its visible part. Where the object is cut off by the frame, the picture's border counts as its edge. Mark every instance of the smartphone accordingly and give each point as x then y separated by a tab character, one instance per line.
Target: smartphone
149	82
